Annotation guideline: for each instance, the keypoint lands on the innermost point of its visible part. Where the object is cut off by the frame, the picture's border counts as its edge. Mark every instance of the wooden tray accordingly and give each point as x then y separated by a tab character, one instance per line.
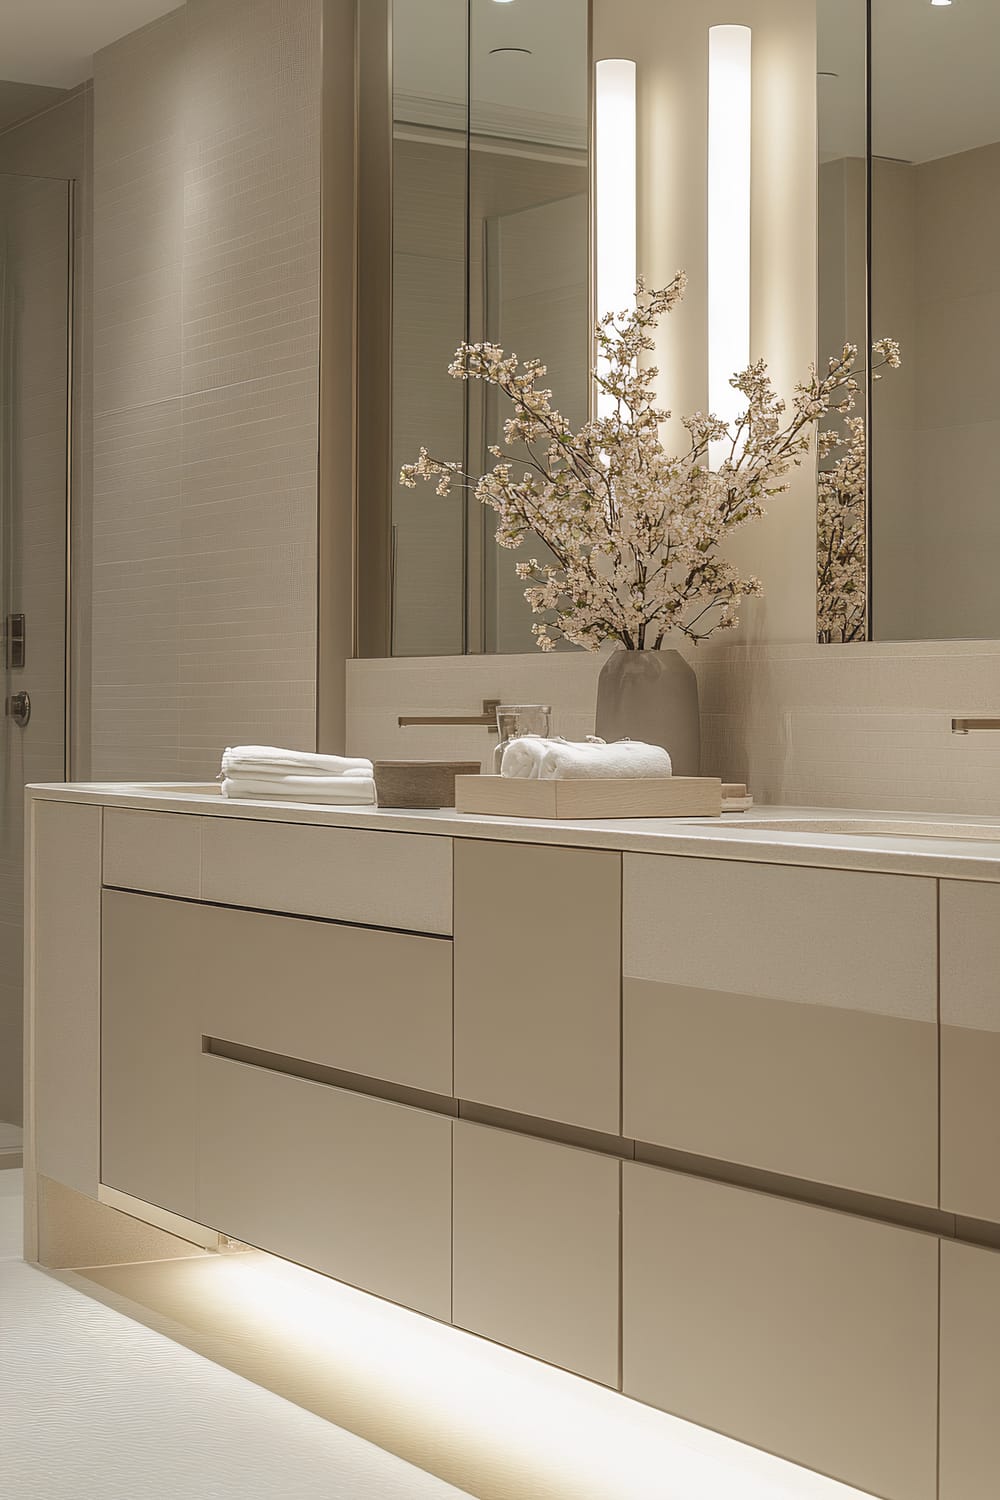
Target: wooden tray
595	797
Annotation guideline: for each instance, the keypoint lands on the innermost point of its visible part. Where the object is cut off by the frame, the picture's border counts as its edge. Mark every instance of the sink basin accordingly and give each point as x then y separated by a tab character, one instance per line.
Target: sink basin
900	827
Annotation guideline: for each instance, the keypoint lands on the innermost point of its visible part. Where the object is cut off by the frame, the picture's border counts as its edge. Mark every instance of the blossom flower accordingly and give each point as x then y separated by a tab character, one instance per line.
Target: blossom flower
633	532
842	521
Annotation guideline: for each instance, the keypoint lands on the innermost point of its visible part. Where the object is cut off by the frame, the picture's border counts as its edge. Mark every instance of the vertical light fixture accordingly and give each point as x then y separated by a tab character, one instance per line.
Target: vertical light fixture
614	184
728	219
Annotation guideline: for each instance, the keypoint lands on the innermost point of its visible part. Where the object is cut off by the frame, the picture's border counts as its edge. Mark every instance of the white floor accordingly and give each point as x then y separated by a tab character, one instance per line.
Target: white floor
97	1406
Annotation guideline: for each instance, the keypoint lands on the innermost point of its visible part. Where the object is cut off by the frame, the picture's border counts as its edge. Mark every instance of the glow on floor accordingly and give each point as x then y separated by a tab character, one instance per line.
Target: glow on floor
488	1420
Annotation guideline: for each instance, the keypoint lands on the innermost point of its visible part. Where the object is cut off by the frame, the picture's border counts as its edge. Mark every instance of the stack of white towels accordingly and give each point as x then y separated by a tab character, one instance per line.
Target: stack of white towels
571	760
265	772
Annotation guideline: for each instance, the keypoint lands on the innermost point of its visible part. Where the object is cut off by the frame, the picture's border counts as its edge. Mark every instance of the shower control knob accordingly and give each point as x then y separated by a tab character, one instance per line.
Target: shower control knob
19	708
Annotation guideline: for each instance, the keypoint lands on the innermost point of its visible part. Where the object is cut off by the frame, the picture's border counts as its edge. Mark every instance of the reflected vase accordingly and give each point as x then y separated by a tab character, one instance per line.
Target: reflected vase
652	696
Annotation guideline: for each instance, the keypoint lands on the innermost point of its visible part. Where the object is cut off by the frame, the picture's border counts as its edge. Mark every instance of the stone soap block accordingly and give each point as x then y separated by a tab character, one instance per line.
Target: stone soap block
420	783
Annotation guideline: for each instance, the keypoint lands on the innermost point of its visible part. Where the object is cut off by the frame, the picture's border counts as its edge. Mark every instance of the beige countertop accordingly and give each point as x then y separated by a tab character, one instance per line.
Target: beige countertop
901	849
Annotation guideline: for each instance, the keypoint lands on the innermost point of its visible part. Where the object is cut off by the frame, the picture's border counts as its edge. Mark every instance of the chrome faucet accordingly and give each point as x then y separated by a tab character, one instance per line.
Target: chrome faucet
963	726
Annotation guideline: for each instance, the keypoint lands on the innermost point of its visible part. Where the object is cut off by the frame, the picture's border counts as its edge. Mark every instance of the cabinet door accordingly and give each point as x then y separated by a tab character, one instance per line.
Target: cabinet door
536	1248
970	1372
809	1333
970	1049
538	980
355	1187
784	1018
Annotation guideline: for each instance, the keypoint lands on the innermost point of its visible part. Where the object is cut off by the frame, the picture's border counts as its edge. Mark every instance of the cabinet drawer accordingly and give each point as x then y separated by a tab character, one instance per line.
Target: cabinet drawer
970	1049
970	1372
809	1333
350	998
147	851
381	879
354	998
536	1248
355	1187
784	1018
538	981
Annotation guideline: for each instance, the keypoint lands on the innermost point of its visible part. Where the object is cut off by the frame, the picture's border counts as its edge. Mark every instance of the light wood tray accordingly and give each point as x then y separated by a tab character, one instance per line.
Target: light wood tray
596	797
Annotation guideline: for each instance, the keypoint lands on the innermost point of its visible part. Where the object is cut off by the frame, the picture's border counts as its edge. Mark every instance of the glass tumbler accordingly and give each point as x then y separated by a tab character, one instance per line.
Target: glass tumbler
516	719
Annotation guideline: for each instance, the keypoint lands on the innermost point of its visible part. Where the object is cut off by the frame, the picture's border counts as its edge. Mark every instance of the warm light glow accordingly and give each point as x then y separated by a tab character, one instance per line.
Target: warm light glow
614	130
728	219
940	2
463	1407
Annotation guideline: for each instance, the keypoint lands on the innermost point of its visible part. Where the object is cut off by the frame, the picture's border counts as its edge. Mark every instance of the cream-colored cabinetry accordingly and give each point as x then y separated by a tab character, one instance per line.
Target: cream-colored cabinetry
538	980
536	1248
181	977
784	1018
63	952
151	851
970	1372
376	878
150	1043
803	1331
356	1187
970	1049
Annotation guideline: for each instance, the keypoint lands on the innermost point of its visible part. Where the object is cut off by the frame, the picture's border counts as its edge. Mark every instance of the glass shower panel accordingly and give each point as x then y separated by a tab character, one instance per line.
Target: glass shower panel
35	292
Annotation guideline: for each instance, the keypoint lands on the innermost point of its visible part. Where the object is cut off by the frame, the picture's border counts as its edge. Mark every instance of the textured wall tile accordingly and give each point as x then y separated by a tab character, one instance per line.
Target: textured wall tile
206	353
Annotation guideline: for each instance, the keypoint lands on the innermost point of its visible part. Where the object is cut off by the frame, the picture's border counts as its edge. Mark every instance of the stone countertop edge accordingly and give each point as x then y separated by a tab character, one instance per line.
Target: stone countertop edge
901	854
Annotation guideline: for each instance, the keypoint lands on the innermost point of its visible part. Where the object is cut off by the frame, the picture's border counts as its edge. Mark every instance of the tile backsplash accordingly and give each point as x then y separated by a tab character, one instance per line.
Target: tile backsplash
804	725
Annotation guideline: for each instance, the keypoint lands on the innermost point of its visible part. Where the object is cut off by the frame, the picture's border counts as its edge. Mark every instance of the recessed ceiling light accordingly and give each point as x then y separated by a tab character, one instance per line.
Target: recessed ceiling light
940	2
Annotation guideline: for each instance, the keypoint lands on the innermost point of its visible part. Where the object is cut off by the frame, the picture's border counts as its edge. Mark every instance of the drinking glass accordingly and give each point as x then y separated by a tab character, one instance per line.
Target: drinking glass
516	719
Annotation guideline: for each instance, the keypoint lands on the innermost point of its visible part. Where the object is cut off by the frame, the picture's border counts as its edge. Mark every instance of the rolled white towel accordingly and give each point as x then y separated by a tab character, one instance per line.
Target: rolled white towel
342	790
254	760
568	760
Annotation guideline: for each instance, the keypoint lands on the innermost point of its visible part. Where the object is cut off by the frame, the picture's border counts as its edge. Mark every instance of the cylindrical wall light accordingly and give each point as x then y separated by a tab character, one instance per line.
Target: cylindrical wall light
614	185
728	219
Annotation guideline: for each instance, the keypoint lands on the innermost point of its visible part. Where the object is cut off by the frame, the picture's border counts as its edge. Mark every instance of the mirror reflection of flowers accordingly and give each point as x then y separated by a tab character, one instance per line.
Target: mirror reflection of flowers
633	531
842	521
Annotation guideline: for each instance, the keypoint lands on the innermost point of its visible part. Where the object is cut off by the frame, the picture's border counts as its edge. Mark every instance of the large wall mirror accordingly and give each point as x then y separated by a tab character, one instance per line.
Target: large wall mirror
485	110
935	232
475	223
909	209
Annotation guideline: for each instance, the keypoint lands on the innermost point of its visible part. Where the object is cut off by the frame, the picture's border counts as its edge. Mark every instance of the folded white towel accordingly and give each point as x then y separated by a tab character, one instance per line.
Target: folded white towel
344	790
254	760
567	760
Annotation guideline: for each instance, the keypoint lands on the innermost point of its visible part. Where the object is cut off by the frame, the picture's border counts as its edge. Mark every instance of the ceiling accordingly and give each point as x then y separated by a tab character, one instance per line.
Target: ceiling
52	42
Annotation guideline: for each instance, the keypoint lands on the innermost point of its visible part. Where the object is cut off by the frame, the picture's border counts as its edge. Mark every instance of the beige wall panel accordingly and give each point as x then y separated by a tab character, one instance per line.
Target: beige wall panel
358	1188
538	980
153	852
376	1003
381	879
819	1092
809	1333
970	1372
841	938
64	990
970	1048
536	1248
150	1048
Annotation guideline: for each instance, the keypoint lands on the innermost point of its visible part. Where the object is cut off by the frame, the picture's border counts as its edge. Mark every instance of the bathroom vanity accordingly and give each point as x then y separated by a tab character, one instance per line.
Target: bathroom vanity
704	1112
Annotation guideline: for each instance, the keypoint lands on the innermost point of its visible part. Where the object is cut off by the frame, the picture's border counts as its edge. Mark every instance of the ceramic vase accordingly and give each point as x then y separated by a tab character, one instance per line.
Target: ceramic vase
652	696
